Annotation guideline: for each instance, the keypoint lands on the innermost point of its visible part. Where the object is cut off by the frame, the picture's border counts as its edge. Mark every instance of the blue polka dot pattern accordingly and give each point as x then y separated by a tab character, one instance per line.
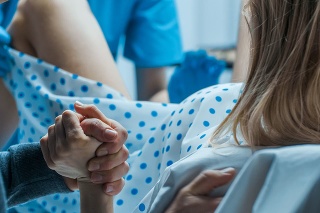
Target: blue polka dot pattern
149	180
142	207
127	115
84	88
134	191
119	202
139	136
62	81
151	140
212	111
159	134
142	123
109	96
112	107
206	123
156	154
154	113
96	101
143	166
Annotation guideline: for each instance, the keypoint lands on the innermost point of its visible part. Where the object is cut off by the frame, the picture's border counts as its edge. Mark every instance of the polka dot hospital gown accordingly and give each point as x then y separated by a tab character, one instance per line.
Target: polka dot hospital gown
159	134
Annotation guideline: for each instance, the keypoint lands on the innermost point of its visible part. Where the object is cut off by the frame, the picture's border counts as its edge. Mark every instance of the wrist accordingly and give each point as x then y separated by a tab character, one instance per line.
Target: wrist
93	198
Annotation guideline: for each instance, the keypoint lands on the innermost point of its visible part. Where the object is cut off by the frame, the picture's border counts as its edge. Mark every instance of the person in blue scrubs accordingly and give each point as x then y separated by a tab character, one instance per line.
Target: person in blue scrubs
152	42
151	31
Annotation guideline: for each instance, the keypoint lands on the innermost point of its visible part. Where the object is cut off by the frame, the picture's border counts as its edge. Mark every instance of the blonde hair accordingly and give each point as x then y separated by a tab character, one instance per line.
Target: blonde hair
280	103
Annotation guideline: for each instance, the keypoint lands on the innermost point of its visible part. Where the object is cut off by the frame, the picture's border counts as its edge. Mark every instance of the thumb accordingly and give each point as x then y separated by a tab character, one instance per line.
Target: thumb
71	123
204	183
90	111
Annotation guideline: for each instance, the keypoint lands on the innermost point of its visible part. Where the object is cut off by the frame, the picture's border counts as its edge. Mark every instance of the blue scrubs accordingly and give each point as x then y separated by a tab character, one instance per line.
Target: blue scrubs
150	27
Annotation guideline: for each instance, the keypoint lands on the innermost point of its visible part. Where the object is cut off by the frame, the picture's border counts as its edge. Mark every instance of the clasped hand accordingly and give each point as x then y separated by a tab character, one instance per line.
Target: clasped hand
86	146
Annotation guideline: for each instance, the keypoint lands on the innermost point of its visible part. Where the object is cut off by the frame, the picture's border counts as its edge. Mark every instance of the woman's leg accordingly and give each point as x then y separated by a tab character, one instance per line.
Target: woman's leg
65	33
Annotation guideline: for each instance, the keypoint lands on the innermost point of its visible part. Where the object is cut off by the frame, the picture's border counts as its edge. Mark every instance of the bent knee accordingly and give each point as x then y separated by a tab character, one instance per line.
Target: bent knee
35	7
46	8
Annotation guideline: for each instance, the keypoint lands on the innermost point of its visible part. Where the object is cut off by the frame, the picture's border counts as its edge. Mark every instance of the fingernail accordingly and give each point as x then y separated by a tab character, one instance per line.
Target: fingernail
94	167
102	152
109	189
109	133
78	103
227	170
96	177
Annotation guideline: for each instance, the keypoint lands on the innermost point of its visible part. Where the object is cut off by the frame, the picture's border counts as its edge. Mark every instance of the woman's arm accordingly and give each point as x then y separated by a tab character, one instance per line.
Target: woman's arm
93	199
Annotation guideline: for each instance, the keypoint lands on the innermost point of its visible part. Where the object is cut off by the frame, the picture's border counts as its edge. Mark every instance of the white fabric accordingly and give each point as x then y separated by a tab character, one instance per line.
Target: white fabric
277	180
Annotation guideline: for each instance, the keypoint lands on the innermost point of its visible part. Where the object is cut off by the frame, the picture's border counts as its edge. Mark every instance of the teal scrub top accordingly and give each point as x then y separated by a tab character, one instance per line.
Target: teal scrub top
150	28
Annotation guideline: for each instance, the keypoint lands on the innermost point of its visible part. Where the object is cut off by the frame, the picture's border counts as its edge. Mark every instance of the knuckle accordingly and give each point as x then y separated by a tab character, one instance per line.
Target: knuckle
123	135
127	167
42	140
126	152
207	174
51	129
91	107
58	118
66	114
184	191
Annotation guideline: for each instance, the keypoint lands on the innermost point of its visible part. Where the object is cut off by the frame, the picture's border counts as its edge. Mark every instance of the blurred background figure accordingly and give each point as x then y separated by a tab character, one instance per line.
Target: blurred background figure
211	26
138	30
144	31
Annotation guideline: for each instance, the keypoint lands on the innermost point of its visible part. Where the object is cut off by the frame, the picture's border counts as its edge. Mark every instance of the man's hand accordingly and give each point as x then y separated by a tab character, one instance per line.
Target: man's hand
66	149
195	196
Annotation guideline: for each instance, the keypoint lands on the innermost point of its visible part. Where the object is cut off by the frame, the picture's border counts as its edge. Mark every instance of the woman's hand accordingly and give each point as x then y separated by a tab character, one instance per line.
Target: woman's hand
195	196
109	166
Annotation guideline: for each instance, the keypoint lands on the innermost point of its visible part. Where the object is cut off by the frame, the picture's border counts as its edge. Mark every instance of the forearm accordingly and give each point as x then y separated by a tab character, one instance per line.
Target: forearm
93	199
8	114
151	81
